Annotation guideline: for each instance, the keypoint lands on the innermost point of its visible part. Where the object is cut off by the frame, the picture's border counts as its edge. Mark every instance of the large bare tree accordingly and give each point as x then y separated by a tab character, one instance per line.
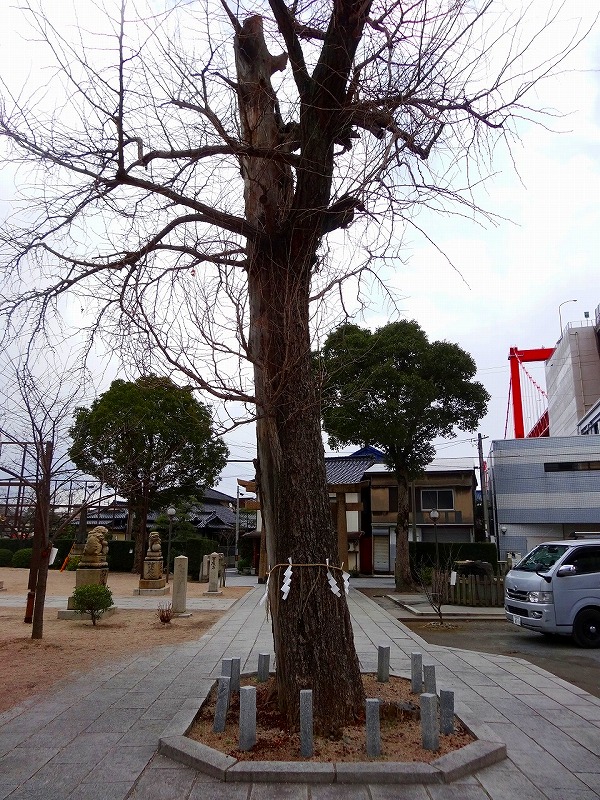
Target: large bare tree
201	177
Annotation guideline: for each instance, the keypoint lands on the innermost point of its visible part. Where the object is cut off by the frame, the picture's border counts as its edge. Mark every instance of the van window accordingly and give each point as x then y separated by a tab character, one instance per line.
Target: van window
585	560
542	558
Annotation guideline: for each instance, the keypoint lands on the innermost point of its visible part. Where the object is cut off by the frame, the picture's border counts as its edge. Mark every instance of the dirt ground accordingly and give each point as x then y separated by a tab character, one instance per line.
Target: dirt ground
73	646
400	728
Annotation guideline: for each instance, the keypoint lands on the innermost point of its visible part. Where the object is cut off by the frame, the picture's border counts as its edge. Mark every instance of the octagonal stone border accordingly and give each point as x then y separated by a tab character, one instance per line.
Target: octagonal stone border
482	753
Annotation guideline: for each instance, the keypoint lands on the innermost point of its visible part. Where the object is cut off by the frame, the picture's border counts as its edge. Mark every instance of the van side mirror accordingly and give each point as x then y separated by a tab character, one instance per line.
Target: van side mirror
566	569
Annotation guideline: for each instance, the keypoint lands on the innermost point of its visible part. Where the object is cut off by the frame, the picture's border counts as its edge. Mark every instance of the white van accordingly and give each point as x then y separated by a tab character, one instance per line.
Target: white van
556	589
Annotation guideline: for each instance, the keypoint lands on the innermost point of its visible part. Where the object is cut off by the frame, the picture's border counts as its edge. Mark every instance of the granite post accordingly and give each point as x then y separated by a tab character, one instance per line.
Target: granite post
222	704
430	729
306	723
383	664
263	667
446	712
416	673
247	736
373	729
429	679
180	570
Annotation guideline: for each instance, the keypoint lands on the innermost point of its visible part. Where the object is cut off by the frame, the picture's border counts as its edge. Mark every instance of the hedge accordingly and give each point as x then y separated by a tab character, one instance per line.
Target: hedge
5	557
120	553
195	550
422	554
15	544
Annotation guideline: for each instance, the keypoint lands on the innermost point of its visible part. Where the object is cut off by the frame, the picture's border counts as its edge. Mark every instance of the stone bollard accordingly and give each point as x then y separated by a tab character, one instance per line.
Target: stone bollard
383	664
235	674
306	723
226	671
263	667
247	738
180	570
222	704
446	712
373	729
429	679
416	673
430	729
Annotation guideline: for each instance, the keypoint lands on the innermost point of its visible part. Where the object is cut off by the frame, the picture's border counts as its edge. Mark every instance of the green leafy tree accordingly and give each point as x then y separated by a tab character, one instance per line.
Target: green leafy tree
398	391
151	441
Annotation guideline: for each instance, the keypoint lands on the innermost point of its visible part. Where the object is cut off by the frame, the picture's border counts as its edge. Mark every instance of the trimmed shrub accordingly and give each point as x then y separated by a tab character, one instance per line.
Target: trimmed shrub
5	557
22	558
93	600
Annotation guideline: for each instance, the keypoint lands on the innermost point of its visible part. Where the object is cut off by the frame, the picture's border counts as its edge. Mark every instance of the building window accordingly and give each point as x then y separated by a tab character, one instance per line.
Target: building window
442	499
571	466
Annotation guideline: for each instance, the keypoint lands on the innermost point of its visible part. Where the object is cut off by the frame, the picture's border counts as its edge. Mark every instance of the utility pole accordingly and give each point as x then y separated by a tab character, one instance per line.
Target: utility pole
483	481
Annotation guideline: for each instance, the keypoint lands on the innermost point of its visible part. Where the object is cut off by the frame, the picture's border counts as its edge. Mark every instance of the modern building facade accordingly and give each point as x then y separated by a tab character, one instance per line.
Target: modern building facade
544	488
573	379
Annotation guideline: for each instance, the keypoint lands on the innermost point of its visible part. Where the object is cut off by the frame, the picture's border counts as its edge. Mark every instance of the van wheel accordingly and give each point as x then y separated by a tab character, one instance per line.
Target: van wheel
586	628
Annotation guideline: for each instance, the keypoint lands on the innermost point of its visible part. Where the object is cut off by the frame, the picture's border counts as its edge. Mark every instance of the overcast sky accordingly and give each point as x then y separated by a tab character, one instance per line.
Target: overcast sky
513	276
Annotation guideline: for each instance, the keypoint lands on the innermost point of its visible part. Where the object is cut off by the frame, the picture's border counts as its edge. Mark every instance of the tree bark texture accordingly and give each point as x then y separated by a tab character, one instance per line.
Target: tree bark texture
312	631
403	575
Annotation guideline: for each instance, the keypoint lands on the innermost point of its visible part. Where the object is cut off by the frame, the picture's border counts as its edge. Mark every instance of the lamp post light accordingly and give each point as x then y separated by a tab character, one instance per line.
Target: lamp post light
171	514
559	316
434	515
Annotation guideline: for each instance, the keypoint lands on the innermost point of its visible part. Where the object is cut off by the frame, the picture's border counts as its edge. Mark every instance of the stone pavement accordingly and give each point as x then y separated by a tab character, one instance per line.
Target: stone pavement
95	737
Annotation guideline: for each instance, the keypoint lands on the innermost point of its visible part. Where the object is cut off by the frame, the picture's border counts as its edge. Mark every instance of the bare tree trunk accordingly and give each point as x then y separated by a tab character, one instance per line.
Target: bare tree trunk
402	571
141	535
43	525
312	631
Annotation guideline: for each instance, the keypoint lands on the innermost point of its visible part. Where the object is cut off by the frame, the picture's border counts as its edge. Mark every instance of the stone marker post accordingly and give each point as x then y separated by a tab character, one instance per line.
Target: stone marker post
429	679
263	667
446	712
222	704
416	673
180	569
247	738
306	723
383	664
235	674
213	574
373	729
430	729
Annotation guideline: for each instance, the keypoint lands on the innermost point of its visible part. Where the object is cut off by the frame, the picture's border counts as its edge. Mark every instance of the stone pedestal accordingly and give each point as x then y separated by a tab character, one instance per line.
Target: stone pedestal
86	576
91	570
152	582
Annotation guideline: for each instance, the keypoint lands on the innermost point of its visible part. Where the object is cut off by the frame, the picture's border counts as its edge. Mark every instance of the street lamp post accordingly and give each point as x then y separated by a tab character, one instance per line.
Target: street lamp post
171	514
559	315
434	515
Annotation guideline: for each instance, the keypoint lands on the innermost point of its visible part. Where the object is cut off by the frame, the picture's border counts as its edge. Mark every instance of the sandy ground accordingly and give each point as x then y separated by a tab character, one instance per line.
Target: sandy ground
72	646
